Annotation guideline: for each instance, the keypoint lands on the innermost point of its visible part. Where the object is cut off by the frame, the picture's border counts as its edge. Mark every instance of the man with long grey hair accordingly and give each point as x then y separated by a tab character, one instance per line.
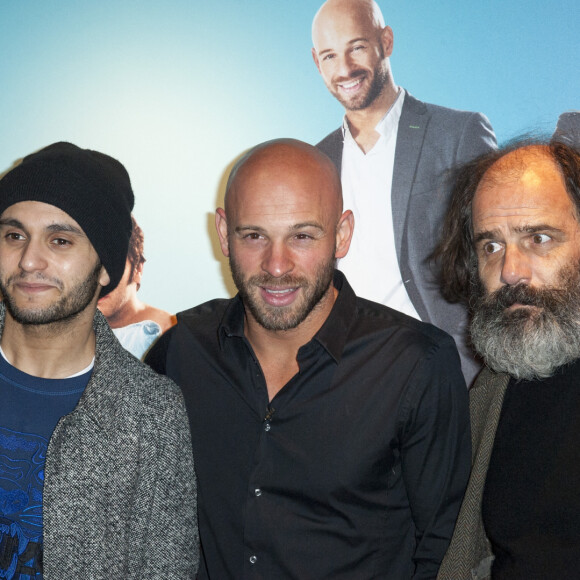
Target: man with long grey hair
511	250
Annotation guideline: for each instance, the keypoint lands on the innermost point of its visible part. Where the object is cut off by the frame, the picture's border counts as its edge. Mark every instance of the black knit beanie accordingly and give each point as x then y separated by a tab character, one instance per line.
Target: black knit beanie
91	187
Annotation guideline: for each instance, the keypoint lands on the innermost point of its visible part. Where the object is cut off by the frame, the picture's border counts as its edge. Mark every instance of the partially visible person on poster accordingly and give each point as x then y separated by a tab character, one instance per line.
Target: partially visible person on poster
137	325
331	433
393	152
568	128
511	249
96	470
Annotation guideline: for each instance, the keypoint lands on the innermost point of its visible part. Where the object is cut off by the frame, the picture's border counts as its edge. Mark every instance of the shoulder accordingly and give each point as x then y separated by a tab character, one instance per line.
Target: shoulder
332	144
406	334
195	326
211	312
415	105
455	122
123	385
161	317
137	384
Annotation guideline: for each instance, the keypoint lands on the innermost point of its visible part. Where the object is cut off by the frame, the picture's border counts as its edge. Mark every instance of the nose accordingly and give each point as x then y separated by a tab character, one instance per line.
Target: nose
277	260
32	258
516	267
345	66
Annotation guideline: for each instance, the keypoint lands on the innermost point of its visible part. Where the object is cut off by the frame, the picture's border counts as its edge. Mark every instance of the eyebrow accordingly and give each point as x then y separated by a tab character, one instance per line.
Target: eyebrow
525	229
56	228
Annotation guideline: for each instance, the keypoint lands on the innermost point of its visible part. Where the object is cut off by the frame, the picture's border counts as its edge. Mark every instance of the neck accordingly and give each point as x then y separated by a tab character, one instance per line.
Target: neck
277	350
128	313
362	123
52	351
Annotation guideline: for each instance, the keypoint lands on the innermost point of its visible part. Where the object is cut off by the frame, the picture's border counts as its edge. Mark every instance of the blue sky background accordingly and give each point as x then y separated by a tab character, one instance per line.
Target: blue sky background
177	89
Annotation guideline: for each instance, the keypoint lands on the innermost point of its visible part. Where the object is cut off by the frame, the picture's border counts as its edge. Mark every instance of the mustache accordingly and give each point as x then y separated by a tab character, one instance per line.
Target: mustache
525	295
37	277
351	76
271	281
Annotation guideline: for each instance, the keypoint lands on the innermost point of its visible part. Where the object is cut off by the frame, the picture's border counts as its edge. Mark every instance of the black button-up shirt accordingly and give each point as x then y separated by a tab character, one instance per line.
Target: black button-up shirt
356	468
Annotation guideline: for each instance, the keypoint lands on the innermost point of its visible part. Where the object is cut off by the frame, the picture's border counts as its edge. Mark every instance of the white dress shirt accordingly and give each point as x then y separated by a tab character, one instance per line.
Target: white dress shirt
371	265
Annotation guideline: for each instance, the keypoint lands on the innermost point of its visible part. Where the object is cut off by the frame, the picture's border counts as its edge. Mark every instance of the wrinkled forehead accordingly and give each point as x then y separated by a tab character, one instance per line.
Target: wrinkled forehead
520	183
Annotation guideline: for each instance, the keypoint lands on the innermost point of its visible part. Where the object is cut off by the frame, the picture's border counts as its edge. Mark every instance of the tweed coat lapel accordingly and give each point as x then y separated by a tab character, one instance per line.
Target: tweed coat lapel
469	555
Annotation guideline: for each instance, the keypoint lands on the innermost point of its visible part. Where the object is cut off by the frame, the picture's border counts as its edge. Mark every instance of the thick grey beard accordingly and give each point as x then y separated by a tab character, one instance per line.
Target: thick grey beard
529	343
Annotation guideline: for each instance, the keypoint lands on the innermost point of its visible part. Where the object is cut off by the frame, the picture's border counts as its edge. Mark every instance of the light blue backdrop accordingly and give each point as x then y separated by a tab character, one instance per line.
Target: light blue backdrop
177	89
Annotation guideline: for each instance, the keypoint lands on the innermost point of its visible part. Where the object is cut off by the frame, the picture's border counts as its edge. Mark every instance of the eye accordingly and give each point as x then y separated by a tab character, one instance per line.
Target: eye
252	236
327	56
61	242
541	238
14	236
491	248
303	236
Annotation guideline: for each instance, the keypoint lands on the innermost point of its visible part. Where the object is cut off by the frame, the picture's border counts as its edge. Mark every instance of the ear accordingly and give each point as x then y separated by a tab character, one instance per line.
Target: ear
221	225
344	231
137	274
315	58
387	41
104	279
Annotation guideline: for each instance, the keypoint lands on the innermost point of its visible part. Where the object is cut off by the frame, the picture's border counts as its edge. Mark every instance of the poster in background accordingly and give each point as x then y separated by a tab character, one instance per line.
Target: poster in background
178	89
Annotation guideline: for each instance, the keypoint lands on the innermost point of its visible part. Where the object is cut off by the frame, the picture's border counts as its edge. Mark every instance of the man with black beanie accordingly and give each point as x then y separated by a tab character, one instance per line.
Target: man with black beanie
96	472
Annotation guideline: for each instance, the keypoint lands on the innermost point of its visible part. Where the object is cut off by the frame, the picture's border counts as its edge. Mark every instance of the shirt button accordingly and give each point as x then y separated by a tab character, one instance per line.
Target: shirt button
257	492
253	559
267	427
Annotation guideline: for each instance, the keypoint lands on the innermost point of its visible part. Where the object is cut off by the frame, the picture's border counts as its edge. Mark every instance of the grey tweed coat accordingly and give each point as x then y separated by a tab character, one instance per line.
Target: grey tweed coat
119	498
469	556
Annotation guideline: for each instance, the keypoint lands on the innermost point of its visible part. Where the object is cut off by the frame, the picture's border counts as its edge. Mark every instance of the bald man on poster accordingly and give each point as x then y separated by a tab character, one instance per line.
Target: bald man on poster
394	153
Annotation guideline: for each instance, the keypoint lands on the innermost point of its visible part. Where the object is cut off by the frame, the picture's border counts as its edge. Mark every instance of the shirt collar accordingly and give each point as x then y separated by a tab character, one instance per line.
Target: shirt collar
232	324
332	334
386	125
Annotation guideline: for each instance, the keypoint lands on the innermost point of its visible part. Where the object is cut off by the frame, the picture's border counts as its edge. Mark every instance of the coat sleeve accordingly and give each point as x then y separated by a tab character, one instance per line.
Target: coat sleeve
171	540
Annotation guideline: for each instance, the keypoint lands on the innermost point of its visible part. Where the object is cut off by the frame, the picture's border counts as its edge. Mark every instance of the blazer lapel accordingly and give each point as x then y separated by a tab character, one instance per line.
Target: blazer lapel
410	137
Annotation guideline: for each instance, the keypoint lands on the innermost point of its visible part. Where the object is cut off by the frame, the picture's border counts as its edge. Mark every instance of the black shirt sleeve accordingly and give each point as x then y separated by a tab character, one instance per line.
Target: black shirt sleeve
435	453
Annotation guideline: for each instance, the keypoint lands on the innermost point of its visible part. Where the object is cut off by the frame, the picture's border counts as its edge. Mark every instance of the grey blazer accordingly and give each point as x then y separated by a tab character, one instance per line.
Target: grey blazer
119	495
431	140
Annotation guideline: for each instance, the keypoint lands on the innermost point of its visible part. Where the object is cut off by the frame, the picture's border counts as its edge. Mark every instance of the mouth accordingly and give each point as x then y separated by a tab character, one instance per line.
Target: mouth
28	288
279	296
519	306
351	86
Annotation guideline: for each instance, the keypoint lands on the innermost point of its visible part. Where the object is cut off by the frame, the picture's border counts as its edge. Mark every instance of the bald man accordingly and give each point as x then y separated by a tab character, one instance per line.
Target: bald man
393	153
330	433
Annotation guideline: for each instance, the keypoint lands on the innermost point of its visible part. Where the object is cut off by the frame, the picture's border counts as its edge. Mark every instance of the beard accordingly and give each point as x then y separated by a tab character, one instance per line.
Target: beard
67	307
529	343
363	100
282	317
